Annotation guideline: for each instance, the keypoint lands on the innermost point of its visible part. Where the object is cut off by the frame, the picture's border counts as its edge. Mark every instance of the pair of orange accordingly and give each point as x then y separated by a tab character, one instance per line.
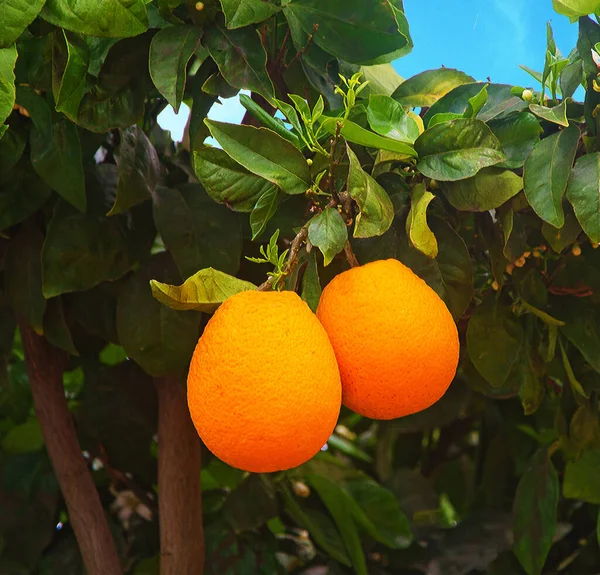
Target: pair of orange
268	377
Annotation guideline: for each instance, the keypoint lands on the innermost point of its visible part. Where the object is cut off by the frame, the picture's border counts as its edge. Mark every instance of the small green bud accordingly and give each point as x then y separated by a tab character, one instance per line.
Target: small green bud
527	95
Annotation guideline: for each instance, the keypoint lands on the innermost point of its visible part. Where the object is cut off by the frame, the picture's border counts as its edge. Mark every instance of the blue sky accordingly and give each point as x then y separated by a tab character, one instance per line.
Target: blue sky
481	37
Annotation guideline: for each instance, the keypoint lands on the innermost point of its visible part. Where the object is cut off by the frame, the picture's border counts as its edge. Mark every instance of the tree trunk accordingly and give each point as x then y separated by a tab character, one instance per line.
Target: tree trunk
179	495
45	366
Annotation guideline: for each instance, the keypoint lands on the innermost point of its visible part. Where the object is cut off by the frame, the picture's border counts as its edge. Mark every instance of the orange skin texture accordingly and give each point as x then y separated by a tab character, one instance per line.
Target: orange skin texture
395	341
264	388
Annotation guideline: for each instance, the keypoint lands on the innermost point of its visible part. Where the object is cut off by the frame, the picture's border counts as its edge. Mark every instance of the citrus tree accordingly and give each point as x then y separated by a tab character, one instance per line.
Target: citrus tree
117	245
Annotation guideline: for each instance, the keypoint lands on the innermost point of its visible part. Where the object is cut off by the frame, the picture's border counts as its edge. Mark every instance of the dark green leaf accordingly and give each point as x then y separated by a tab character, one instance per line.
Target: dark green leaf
204	291
535	513
252	504
487	190
352	30
450	275
583	331
56	329
24	438
327	231
12	146
458	149
556	115
531	388
311	284
417	229
226	181
241	58
15	16
23	276
388	118
70	63
358	135
198	232
560	238
118	99
376	211
8	58
546	173
575	8
263	211
161	340
582	192
170	52
580	481
426	88
494	338
139	170
240	13
22	194
571	77
518	134
108	19
339	504
265	154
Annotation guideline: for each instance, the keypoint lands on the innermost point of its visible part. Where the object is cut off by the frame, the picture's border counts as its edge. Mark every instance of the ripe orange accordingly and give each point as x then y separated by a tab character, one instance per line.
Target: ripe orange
395	341
264	387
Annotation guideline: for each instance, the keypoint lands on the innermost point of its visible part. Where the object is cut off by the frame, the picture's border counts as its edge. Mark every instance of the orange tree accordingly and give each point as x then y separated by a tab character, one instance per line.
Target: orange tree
116	245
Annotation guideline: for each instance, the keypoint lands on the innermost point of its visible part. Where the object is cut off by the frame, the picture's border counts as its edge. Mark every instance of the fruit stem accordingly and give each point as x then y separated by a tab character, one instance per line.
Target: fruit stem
350	256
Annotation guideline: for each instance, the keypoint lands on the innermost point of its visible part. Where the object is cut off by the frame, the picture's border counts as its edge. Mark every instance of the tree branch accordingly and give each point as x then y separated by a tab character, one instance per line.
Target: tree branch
352	260
179	495
45	365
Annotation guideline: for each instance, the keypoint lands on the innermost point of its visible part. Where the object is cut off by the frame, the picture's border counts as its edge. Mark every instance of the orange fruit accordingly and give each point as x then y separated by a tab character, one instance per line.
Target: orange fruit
264	388
395	340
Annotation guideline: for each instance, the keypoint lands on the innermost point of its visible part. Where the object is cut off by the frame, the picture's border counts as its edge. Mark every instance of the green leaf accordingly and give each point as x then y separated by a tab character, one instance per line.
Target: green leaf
476	103
311	284
12	146
107	19
339	504
487	190
265	154
83	250
450	274
198	232
252	504
556	115
426	88
358	135
240	13
263	211
382	79
582	192
535	513
531	388
118	98
15	16
546	318
241	58
204	291
170	52
268	121
22	193
23	276
546	173
24	438
575	385
494	338
8	58
226	181
388	118
70	63
352	30
376	211
580	481
573	9
560	238
518	135
417	229
583	331
56	329
159	339
328	232
571	77
139	170
457	150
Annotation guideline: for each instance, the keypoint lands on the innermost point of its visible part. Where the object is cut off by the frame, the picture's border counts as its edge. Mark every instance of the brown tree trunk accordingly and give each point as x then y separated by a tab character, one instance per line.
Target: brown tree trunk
179	496
45	365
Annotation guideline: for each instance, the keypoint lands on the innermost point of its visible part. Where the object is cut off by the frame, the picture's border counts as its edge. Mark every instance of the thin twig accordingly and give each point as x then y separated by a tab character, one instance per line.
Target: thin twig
281	52
350	256
303	50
